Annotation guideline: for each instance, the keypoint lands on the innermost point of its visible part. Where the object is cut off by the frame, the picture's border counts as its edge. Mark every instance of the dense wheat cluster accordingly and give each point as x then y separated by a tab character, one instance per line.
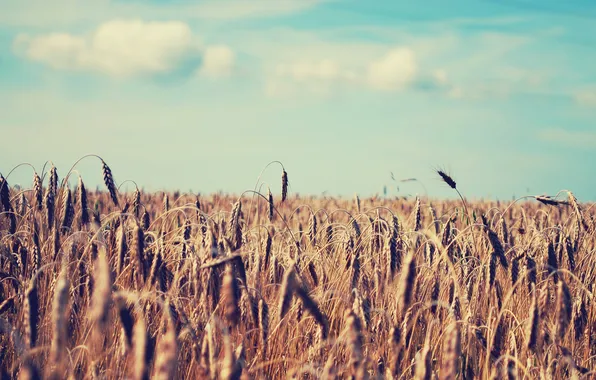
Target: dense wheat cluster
107	284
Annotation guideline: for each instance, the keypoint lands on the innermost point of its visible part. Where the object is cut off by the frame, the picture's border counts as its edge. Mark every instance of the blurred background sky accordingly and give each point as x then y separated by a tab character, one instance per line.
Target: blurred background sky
202	95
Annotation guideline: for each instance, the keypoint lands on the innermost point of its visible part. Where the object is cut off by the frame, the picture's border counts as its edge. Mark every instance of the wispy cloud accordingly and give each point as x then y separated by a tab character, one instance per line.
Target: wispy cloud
458	65
236	9
578	139
218	62
125	48
586	98
40	13
395	70
324	70
308	75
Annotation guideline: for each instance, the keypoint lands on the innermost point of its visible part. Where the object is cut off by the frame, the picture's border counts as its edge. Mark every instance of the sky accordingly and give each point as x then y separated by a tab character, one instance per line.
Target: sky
351	96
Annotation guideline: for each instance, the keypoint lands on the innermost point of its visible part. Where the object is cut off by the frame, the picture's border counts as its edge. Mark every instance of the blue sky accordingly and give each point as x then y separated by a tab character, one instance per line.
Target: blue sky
202	95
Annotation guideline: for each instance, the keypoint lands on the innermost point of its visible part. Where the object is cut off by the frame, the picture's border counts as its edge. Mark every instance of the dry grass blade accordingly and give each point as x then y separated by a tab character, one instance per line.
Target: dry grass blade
7	305
578	211
424	361
219	262
101	297
407	281
141	357
354	328
451	352
59	316
167	350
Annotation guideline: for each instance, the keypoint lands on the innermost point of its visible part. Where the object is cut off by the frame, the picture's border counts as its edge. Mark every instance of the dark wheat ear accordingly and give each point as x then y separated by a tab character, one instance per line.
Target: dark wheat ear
82	198
108	179
53	184
37	191
67	209
495	243
533	322
32	313
263	325
50	202
136	202
270	205
4	194
447	179
564	309
313	308
547	200
287	291
127	320
417	215
284	185
230	292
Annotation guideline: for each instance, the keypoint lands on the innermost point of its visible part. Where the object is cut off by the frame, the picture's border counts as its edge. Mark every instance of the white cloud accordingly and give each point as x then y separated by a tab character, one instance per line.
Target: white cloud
585	139
394	71
118	47
586	98
474	67
218	61
467	66
397	69
126	48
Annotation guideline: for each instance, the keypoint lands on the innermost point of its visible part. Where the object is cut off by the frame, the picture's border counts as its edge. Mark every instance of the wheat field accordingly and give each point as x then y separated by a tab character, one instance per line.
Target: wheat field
267	285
